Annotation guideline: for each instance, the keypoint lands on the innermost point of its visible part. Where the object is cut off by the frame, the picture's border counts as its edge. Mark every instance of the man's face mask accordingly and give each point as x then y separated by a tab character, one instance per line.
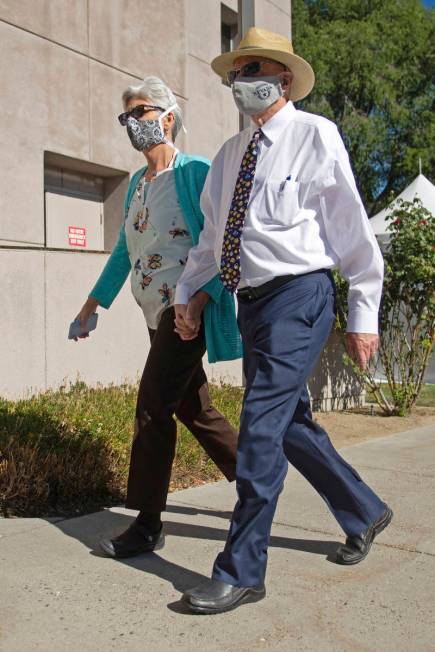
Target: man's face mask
254	95
146	133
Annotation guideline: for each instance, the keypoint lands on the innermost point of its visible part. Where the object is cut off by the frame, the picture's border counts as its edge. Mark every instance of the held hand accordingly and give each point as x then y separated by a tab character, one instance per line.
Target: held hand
185	329
361	347
87	310
180	321
194	310
188	318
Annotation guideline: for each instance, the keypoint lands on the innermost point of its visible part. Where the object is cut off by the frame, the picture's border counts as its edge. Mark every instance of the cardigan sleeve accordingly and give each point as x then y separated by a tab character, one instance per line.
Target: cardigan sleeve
114	274
214	288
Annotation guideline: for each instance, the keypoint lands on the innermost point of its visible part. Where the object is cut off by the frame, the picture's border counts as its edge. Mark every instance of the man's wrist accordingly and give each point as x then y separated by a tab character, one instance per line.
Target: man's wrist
362	321
182	295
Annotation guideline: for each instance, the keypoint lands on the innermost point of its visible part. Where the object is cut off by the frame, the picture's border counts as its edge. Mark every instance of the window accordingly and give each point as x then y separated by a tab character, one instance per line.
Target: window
83	203
228	28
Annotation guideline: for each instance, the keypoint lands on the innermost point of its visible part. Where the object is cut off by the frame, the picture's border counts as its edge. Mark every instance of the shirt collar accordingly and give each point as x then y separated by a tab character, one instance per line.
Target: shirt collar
277	123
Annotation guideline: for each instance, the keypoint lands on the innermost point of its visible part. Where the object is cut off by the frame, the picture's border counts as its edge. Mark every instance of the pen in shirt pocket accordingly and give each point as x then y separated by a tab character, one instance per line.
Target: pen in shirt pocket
282	185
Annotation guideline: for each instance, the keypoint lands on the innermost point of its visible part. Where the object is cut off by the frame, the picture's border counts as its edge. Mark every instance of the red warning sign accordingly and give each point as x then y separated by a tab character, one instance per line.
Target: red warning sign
77	236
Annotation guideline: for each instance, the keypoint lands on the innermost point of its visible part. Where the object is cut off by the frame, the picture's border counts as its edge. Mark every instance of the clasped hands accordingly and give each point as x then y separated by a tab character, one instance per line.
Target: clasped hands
188	318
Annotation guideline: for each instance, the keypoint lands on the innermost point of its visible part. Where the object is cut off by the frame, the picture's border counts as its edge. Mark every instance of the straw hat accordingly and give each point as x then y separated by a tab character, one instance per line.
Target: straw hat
260	42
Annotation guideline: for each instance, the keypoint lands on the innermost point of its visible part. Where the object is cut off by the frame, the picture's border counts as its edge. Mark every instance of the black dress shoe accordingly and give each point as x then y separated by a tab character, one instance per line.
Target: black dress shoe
214	596
134	541
357	548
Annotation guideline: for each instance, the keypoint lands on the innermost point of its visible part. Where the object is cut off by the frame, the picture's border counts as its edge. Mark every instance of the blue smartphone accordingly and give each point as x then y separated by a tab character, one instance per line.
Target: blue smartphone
75	330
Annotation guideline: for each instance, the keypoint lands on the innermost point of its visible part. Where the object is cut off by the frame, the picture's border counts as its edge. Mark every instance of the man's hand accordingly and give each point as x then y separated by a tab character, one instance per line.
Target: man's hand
361	347
180	321
188	318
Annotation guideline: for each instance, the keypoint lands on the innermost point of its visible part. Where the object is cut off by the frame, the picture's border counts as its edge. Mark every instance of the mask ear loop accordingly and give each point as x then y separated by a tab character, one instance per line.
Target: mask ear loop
165	112
171	108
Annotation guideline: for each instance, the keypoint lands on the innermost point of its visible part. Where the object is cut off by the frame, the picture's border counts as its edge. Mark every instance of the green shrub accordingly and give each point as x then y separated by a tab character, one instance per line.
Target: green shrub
66	452
407	312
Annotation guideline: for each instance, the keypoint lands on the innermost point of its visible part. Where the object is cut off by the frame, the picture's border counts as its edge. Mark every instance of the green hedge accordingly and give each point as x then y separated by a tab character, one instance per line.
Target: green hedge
68	451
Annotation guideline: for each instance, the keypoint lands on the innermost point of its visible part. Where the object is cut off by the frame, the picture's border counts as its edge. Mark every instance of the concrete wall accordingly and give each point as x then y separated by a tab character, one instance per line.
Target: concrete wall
42	292
332	386
64	66
211	117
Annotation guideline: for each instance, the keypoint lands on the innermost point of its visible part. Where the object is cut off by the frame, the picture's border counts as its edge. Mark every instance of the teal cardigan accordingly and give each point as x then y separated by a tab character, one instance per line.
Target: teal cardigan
221	331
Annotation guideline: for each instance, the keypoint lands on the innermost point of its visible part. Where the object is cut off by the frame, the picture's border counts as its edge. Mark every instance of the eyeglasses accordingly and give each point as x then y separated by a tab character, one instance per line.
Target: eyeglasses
248	70
137	112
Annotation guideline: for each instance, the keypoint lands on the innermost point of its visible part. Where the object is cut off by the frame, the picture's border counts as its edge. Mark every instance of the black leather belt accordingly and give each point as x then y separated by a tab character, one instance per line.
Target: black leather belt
253	293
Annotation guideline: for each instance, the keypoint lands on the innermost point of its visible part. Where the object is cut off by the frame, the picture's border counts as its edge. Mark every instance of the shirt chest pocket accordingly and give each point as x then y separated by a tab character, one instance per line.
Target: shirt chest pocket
281	202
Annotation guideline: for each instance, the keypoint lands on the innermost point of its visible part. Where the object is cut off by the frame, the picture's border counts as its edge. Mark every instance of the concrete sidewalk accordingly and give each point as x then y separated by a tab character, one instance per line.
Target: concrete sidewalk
57	594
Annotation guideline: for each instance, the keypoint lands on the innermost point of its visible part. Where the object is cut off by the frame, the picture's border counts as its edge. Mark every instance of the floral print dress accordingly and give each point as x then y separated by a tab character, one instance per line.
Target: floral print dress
158	243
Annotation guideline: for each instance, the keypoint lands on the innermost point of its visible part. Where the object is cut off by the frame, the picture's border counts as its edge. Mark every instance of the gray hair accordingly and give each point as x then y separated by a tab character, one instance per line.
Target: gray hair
155	90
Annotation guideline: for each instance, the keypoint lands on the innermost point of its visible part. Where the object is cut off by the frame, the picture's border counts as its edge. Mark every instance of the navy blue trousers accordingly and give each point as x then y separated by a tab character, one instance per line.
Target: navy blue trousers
283	335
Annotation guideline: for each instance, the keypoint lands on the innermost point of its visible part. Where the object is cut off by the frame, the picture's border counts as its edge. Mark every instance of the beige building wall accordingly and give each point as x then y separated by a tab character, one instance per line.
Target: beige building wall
211	117
64	65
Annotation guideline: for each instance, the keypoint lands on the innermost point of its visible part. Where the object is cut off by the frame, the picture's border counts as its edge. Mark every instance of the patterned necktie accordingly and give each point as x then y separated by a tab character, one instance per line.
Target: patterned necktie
230	261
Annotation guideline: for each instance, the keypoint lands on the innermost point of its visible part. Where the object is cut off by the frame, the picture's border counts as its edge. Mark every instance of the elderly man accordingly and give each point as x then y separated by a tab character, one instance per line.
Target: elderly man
282	209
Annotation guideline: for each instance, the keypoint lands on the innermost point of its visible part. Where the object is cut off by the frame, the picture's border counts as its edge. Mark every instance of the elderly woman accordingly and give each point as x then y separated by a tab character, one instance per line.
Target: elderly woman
162	222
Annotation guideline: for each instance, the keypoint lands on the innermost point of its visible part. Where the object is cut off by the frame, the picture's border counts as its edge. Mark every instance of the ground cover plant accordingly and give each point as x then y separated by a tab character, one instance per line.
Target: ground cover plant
68	451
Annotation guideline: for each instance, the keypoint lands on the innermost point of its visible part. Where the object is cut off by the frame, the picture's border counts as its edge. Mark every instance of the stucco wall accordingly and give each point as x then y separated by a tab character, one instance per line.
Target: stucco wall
64	67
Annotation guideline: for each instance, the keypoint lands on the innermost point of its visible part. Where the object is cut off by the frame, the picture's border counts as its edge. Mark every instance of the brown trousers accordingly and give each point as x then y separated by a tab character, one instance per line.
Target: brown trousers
173	382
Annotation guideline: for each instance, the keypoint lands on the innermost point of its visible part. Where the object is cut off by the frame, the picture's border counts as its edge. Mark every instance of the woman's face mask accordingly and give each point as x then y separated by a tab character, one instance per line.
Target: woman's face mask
146	133
254	95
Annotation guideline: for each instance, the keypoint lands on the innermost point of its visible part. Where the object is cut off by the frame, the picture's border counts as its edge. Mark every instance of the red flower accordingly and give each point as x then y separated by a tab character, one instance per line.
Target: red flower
423	222
397	222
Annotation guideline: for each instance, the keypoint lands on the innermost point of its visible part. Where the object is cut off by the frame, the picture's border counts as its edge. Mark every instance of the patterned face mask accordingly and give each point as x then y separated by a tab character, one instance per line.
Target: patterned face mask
146	133
253	95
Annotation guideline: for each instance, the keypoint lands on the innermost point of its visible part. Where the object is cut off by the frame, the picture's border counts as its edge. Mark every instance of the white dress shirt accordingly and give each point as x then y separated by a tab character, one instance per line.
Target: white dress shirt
304	213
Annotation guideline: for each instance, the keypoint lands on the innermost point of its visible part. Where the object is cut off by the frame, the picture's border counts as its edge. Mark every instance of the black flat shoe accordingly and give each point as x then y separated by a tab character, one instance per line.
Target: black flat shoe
214	597
357	548
134	541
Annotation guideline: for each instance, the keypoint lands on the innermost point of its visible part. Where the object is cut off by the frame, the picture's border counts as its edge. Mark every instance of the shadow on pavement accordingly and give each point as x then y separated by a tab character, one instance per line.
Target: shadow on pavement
181	578
90	529
187	509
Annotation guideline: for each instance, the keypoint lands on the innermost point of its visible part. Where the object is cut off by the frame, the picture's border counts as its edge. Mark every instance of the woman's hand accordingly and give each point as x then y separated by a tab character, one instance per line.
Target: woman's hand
87	310
188	318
